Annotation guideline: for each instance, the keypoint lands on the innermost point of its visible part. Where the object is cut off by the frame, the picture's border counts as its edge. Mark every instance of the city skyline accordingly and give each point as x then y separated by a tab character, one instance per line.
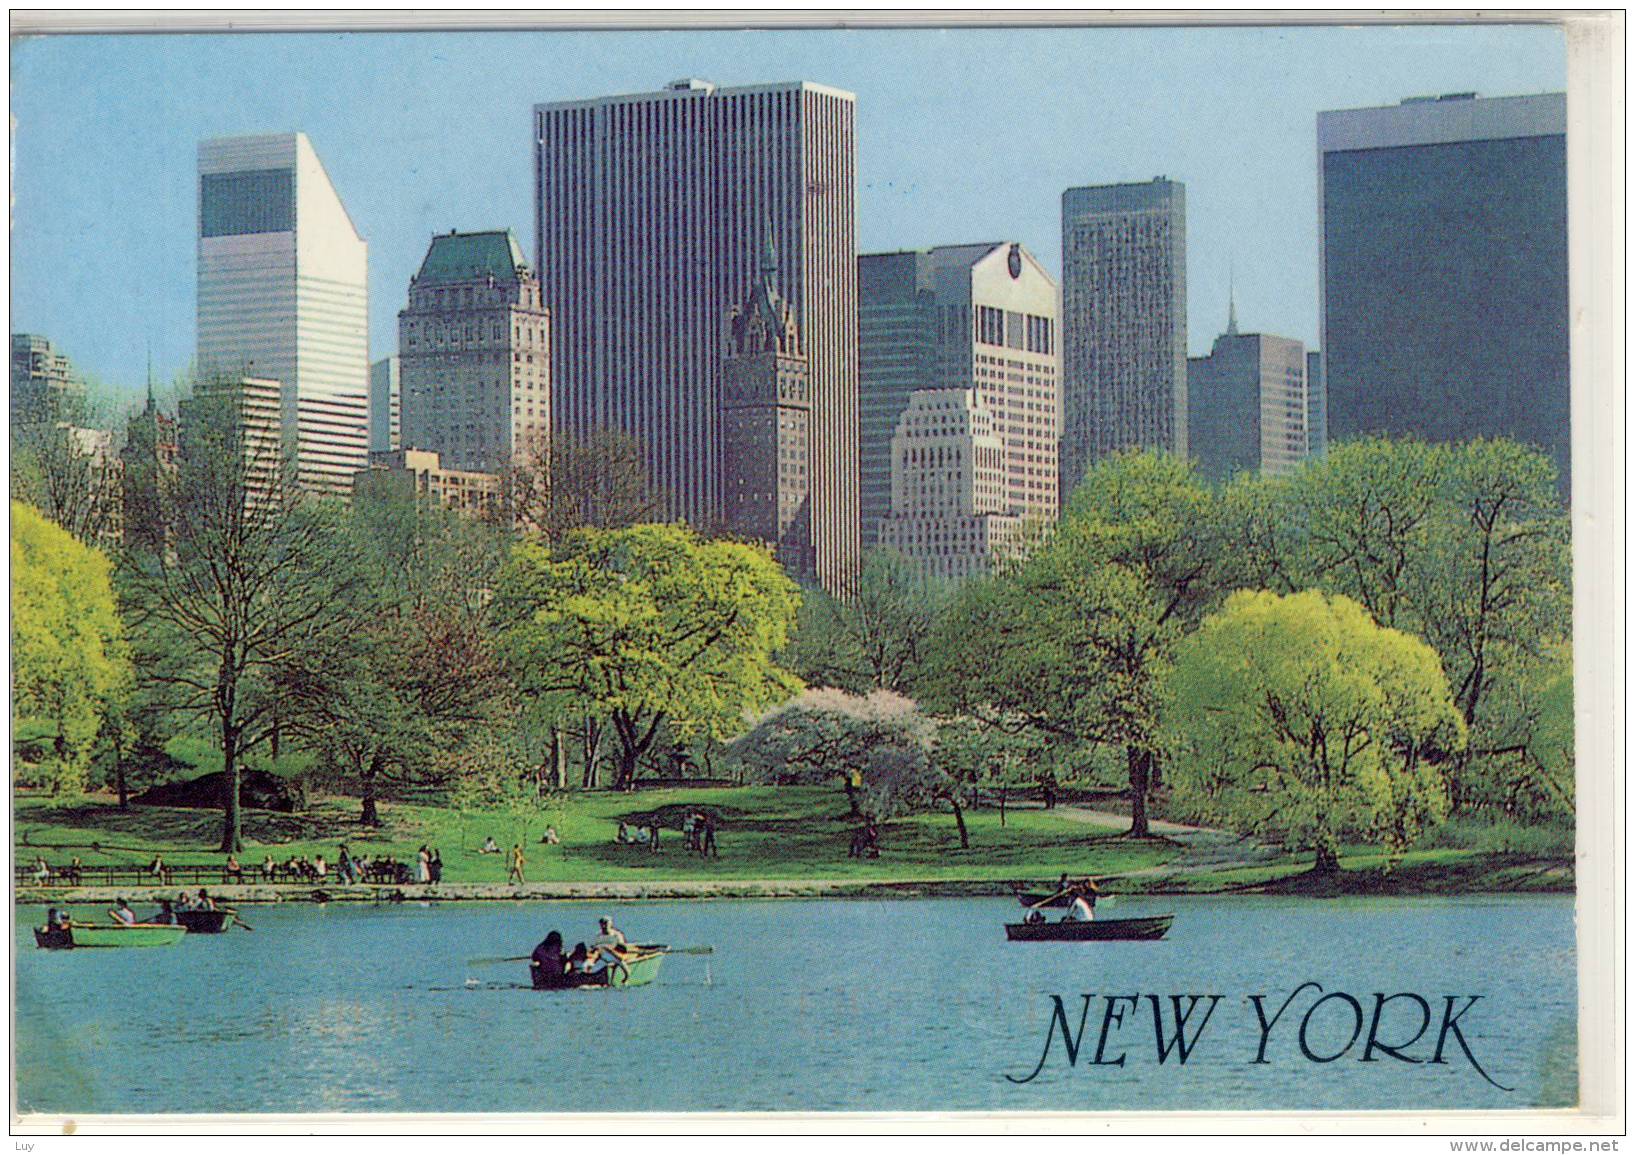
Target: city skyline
1038	110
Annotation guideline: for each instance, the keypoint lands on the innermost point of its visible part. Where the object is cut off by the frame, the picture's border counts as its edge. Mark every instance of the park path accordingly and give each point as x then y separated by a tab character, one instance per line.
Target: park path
1204	849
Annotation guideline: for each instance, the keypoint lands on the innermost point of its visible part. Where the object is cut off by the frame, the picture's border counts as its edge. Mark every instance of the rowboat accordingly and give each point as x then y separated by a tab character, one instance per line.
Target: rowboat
1102	929
203	921
638	971
83	935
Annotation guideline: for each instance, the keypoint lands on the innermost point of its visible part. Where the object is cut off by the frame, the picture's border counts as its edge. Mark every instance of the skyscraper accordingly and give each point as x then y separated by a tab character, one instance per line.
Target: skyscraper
1124	322
650	211
1443	233
245	417
474	349
283	296
766	418
385	405
978	316
1247	405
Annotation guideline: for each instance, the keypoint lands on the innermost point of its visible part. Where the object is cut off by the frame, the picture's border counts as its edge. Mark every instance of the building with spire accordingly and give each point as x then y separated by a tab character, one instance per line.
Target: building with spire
1247	406
149	459
648	213
283	296
474	355
766	410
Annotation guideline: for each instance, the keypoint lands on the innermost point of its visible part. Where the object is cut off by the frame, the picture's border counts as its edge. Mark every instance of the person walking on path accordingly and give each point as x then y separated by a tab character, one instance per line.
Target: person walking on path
517	863
422	869
434	863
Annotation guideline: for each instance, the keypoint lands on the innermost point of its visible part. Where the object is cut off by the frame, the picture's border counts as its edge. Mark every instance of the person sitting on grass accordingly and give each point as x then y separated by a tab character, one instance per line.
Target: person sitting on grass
622	837
489	846
42	872
550	837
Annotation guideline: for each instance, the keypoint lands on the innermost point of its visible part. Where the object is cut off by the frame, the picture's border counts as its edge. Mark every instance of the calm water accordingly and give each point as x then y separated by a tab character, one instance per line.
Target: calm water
909	1005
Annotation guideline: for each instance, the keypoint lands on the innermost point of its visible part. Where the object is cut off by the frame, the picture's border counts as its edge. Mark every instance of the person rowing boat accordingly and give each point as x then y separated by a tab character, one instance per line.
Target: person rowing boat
1082	908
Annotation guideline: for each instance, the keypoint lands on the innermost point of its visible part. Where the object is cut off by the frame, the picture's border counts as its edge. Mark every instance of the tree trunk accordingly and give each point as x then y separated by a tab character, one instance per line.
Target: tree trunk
370	815
559	760
1003	791
593	746
1139	763
1328	861
629	761
232	830
119	776
959	821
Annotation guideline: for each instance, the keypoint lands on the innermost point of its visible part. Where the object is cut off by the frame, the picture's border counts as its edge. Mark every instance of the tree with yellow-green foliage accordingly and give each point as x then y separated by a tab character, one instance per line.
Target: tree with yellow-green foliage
1299	718
648	629
71	667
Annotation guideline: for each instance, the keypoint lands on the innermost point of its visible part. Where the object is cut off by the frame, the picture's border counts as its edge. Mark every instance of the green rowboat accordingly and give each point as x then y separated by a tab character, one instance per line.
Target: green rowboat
142	934
639	970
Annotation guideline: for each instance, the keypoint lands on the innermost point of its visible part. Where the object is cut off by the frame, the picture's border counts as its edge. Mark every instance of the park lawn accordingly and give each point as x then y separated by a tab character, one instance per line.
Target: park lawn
1369	870
763	832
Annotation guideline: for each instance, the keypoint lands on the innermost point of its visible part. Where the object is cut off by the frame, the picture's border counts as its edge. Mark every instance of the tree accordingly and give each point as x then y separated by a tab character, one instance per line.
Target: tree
879	746
392	699
1466	545
71	664
875	640
1299	717
560	482
647	627
259	575
63	472
1076	639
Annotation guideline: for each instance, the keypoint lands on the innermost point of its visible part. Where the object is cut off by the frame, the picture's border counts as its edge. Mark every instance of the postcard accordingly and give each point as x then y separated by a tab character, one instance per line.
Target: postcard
759	574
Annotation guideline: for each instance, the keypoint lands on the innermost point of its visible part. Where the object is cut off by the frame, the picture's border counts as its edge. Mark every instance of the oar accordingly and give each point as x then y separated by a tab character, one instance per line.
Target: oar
664	949
1048	901
237	921
479	962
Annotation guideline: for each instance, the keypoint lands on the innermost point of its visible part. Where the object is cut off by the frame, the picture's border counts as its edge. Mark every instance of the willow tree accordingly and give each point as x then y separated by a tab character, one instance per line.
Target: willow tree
1298	717
71	667
649	628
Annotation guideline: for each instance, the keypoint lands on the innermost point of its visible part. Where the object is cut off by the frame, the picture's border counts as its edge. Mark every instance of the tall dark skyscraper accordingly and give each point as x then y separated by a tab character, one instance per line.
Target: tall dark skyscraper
1444	269
1124	322
1247	404
650	213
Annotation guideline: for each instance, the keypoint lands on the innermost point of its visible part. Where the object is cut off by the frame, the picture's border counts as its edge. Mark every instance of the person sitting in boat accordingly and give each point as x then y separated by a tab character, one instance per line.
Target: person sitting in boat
579	960
205	902
55	918
611	944
123	913
489	846
166	916
1034	915
548	963
1083	906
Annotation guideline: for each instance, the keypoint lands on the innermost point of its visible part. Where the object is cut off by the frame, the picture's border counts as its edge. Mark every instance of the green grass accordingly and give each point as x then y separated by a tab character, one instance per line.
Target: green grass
763	833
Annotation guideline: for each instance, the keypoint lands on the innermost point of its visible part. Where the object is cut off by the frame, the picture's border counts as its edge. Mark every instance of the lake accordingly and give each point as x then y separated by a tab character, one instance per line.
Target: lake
808	1005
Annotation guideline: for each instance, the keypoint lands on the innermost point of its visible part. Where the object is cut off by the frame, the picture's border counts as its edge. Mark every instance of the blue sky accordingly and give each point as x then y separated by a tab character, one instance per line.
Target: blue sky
963	136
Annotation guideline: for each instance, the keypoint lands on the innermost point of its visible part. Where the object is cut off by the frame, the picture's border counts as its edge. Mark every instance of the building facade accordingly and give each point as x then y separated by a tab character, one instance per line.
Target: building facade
1316	406
766	411
950	486
1124	323
474	349
420	473
283	296
1443	233
44	387
247	415
1247	405
650	210
385	406
979	316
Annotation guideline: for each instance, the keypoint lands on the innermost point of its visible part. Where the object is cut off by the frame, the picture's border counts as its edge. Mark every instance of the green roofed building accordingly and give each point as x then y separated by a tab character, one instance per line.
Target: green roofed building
474	350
